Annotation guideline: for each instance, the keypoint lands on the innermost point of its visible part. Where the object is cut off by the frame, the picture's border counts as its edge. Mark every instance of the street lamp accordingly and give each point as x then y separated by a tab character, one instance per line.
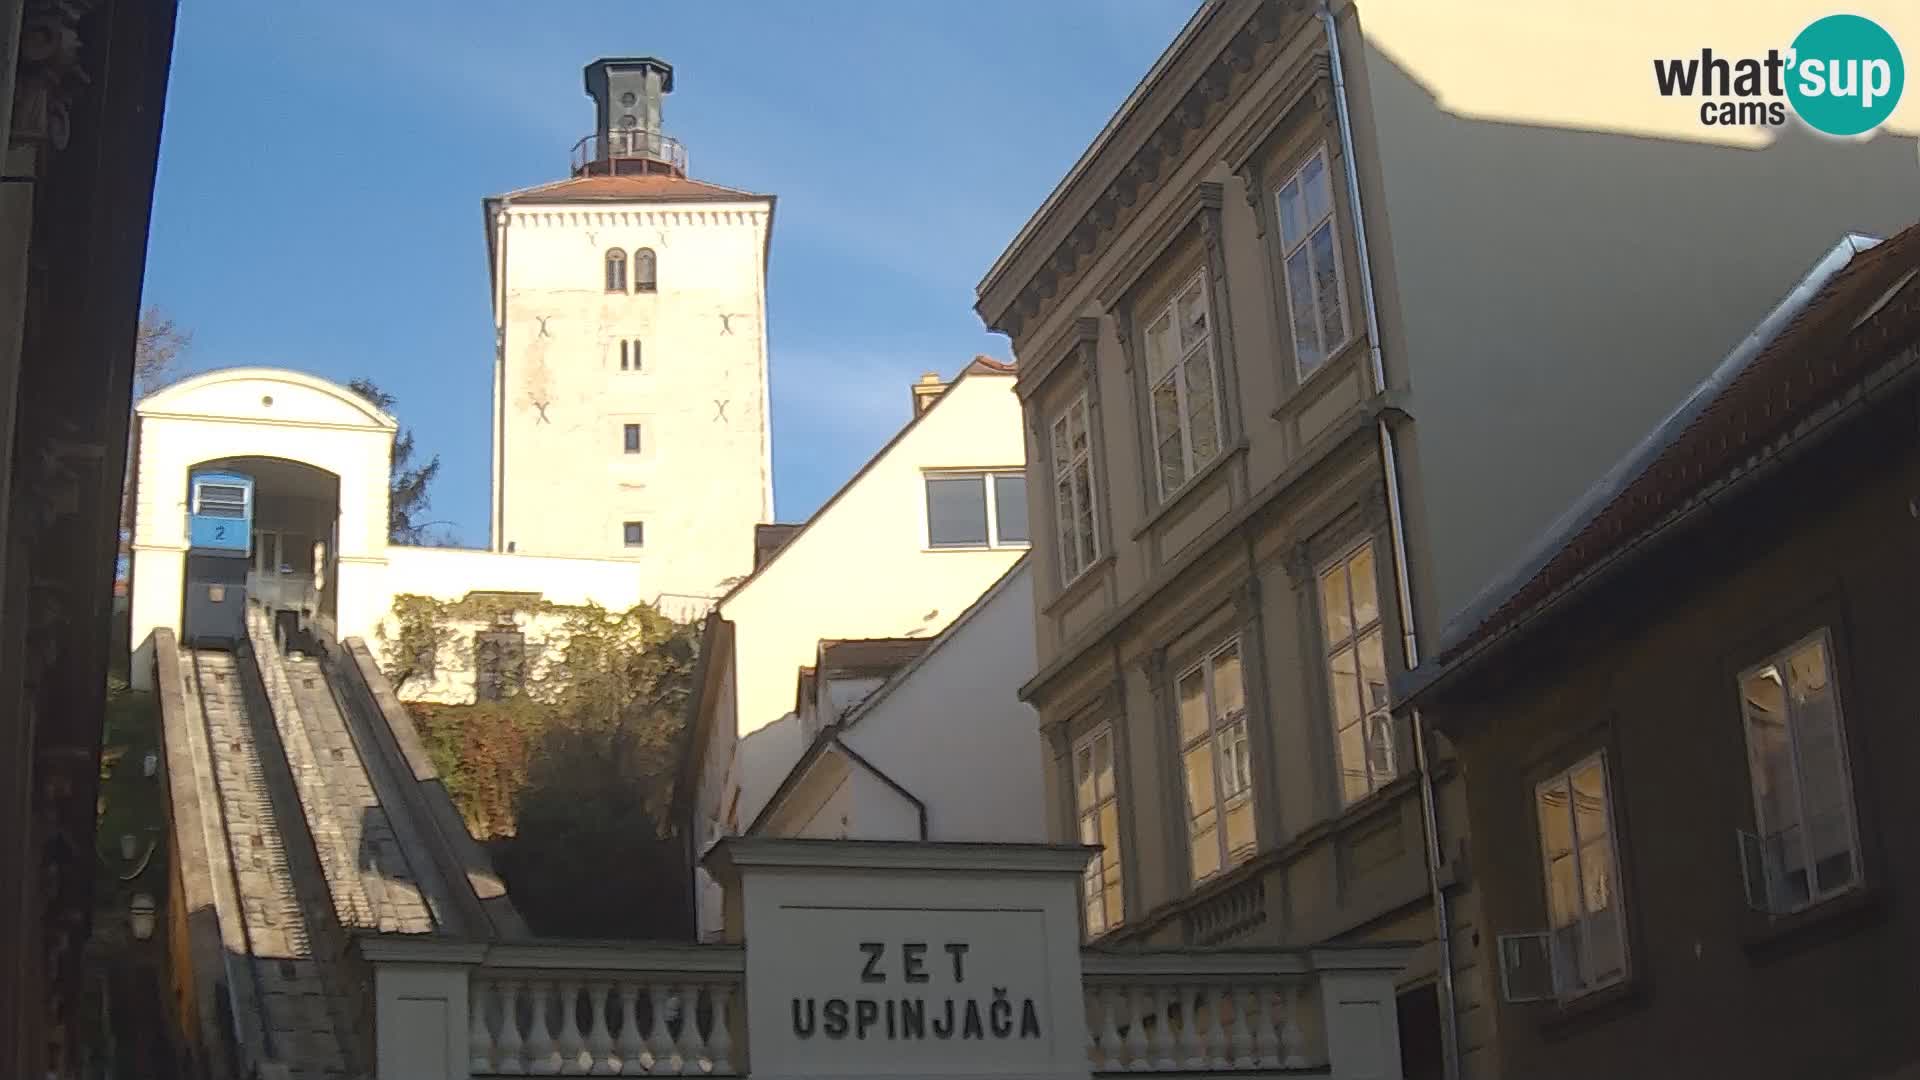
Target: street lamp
140	915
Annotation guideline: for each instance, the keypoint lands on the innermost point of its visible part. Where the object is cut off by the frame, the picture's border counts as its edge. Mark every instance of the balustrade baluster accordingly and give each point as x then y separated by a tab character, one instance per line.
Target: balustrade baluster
510	1058
1292	1038
693	1049
660	1043
722	1042
1266	1041
1219	1038
631	1044
1193	1045
1113	1050
1164	1037
479	1038
1139	1005
543	1059
1266	1036
572	1047
1242	1032
600	1059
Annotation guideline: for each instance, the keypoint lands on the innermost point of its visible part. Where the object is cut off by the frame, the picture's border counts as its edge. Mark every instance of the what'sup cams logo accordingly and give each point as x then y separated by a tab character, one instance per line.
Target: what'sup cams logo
1842	75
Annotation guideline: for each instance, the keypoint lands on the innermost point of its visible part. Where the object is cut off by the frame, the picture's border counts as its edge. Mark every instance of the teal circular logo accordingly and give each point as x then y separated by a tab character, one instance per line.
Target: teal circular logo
1846	75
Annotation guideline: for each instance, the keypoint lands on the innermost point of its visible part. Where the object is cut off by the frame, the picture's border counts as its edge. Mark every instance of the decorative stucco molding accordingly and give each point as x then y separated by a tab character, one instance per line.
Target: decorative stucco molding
50	73
1189	117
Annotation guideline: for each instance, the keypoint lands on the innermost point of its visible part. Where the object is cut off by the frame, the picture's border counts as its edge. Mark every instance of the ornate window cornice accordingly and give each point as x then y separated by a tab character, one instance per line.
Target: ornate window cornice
1194	113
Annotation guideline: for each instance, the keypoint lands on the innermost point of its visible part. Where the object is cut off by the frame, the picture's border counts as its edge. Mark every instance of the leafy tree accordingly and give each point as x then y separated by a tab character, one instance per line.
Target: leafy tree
157	347
572	779
407	500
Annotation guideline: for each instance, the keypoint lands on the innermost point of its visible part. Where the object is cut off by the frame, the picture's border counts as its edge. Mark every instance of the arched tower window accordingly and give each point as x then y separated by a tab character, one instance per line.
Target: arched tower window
616	270
645	269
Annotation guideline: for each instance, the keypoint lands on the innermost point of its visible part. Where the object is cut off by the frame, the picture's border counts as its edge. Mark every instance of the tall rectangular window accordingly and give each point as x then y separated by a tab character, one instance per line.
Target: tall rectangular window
499	663
1183	392
1357	675
1216	762
1096	803
634	533
1310	253
630	438
1073	499
1586	934
977	509
1807	848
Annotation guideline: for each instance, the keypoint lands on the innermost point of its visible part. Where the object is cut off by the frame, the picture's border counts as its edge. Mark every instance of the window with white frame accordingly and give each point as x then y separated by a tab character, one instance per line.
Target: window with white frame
1073	499
1356	661
1216	762
1586	942
1806	847
1182	388
1096	805
1310	256
977	509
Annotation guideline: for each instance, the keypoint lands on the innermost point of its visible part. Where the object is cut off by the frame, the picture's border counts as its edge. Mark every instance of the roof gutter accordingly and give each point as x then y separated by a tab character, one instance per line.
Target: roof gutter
1418	685
1403	584
1805	437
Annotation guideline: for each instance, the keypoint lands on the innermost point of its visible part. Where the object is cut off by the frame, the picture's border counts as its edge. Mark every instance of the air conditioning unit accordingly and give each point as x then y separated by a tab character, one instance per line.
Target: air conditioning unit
1528	971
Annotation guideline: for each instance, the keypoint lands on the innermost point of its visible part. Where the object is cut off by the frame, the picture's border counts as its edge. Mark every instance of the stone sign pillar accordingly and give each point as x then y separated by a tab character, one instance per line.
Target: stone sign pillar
908	960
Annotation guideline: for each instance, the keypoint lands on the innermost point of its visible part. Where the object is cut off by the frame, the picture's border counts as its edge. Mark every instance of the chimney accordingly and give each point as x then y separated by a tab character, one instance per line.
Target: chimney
927	391
628	136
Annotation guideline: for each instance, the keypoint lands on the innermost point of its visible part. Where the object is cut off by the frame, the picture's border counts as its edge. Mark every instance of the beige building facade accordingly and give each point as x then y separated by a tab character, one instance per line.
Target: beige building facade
902	550
1334	315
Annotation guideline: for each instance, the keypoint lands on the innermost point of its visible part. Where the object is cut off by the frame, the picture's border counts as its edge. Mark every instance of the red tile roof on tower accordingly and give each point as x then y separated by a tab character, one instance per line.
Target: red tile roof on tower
654	186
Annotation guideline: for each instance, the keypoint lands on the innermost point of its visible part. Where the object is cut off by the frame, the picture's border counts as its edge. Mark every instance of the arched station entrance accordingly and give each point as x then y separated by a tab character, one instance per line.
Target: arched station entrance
293	543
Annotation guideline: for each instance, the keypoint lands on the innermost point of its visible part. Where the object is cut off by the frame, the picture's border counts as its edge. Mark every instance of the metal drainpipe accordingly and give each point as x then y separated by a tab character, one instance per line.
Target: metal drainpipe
1409	639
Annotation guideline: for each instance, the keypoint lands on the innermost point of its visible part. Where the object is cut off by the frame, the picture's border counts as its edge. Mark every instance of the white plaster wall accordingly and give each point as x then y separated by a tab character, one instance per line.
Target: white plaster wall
701	481
955	733
862	807
862	568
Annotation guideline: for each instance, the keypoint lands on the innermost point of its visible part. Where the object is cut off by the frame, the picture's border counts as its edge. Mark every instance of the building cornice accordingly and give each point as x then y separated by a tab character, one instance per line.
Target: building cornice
1186	98
733	854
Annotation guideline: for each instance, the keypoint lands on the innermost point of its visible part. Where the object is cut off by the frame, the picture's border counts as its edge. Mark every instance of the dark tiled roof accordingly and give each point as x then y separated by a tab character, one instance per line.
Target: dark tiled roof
991	366
1757	395
655	187
769	538
877	655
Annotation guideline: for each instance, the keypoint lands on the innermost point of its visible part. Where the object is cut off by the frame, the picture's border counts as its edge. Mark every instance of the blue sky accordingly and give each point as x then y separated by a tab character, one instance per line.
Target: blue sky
323	164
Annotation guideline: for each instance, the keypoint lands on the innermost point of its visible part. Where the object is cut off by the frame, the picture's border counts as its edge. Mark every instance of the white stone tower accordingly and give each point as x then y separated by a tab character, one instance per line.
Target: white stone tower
630	376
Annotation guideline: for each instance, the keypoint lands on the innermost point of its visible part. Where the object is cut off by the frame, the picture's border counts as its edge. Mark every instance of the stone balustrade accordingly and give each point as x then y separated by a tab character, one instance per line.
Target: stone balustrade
1205	1010
628	1023
626	1009
849	948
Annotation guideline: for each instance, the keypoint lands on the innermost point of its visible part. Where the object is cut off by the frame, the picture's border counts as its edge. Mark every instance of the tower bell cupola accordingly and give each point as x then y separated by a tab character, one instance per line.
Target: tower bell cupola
628	137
